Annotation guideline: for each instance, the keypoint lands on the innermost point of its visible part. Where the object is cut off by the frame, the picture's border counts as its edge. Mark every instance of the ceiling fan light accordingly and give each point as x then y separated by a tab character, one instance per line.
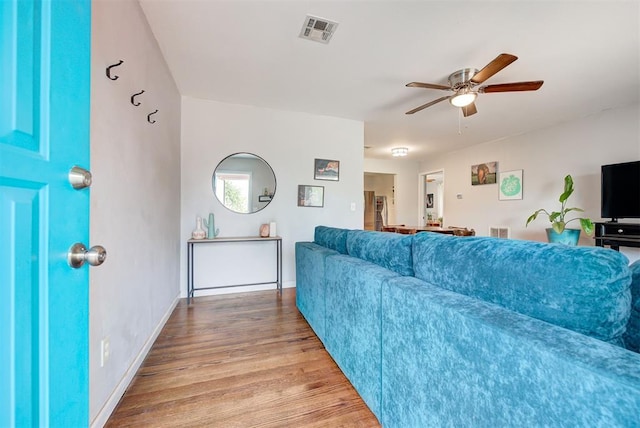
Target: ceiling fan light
463	99
399	151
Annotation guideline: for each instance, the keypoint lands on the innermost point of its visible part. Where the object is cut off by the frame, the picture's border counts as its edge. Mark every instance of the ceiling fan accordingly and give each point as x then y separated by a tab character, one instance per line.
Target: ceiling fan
464	83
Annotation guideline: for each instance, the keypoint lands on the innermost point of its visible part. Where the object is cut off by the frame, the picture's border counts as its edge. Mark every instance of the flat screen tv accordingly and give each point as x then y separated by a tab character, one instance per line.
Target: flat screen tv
621	190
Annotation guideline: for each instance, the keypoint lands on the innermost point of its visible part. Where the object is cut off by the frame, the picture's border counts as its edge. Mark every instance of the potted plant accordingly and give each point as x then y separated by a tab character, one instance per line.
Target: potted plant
558	232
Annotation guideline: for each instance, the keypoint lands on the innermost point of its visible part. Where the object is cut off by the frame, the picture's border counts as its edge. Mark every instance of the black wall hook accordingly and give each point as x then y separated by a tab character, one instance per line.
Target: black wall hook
109	70
135	95
149	117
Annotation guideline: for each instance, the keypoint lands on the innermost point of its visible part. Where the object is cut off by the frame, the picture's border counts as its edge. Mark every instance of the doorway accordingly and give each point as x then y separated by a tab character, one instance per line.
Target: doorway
432	197
379	200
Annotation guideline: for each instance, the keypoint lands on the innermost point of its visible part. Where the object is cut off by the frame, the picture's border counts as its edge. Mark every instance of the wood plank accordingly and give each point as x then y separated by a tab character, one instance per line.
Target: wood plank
240	360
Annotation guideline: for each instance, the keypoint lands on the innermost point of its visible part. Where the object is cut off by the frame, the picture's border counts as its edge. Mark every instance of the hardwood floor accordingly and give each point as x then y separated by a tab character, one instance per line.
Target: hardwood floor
240	360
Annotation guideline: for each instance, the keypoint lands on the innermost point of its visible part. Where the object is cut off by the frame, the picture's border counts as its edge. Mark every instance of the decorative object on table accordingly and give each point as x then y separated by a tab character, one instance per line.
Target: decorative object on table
431	222
484	173
212	232
325	169
198	232
264	230
310	196
510	185
272	229
558	233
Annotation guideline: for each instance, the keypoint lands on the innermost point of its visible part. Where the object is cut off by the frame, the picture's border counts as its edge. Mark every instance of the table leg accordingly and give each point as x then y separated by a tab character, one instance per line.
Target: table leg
189	272
279	257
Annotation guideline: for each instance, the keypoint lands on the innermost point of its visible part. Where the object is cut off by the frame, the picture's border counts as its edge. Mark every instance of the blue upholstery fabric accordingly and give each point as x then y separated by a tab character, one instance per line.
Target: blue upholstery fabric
310	284
453	360
462	346
332	238
389	250
585	289
632	335
353	322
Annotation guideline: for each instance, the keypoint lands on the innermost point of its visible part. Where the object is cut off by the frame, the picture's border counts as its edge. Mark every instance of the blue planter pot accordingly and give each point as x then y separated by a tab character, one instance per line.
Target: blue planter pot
567	237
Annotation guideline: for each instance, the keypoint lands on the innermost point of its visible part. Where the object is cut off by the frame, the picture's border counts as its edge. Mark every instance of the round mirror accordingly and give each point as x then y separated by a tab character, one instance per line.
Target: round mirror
244	183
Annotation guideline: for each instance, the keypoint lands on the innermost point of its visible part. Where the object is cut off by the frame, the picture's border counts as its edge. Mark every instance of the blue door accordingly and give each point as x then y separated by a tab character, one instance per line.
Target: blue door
44	132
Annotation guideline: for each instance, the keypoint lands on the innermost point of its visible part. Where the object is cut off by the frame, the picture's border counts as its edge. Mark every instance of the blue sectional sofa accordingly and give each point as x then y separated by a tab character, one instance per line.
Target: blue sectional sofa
436	330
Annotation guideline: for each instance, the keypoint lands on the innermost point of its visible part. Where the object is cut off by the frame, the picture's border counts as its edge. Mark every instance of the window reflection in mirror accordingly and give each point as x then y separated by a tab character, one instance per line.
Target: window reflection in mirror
244	183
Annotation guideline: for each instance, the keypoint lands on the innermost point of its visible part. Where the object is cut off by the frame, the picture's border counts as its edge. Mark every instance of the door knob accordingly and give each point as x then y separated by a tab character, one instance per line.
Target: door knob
79	178
78	254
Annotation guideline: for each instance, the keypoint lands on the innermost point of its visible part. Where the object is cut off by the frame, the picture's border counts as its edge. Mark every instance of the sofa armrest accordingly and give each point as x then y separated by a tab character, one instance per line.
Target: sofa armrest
311	284
450	359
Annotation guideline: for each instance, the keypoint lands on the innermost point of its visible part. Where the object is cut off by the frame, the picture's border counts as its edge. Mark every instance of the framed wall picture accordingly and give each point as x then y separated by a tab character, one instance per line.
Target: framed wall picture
510	185
325	169
429	200
310	196
484	173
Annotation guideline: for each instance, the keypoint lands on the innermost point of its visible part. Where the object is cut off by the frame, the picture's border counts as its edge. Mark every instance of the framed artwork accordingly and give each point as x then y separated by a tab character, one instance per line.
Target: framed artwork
510	185
325	169
310	196
484	173
429	200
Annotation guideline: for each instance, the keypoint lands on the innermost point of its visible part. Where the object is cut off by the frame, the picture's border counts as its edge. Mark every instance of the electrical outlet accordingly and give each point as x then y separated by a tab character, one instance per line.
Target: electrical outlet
105	351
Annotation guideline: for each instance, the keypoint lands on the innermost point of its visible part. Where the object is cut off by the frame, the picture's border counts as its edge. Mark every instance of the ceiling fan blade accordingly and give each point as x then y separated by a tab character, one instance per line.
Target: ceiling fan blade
469	110
429	104
427	86
513	87
500	62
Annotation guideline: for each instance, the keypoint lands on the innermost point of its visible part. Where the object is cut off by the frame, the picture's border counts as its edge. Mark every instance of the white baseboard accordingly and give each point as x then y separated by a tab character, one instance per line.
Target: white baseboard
103	415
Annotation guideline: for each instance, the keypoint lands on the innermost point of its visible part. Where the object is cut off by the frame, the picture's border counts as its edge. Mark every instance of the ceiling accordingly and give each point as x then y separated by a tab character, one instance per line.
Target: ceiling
249	52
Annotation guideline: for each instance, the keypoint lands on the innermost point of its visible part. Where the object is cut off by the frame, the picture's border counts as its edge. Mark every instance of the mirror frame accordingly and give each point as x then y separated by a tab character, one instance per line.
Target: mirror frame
270	169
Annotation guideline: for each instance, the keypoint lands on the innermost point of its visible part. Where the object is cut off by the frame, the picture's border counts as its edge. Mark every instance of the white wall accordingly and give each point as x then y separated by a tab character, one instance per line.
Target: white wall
406	187
135	198
289	142
578	148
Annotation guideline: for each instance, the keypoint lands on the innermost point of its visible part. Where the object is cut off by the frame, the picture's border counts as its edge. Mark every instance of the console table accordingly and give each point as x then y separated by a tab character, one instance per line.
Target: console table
617	235
192	243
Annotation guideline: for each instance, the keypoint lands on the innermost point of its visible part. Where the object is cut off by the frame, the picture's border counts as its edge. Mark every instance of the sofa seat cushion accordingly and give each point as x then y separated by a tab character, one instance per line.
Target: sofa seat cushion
632	335
331	237
585	289
389	250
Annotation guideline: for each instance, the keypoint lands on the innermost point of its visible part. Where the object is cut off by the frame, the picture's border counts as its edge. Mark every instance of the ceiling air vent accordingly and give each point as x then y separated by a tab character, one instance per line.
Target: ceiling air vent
318	29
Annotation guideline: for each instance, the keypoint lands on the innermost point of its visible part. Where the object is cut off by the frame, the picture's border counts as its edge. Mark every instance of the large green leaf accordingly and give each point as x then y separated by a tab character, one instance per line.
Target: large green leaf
558	226
568	188
566	210
534	216
587	226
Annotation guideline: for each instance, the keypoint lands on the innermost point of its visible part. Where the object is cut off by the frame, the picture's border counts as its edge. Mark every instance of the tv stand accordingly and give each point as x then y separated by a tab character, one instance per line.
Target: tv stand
616	235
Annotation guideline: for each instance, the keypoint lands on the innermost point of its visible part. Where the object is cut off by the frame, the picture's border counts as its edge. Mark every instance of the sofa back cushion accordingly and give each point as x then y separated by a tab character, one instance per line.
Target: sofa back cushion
585	289
632	335
331	237
389	250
